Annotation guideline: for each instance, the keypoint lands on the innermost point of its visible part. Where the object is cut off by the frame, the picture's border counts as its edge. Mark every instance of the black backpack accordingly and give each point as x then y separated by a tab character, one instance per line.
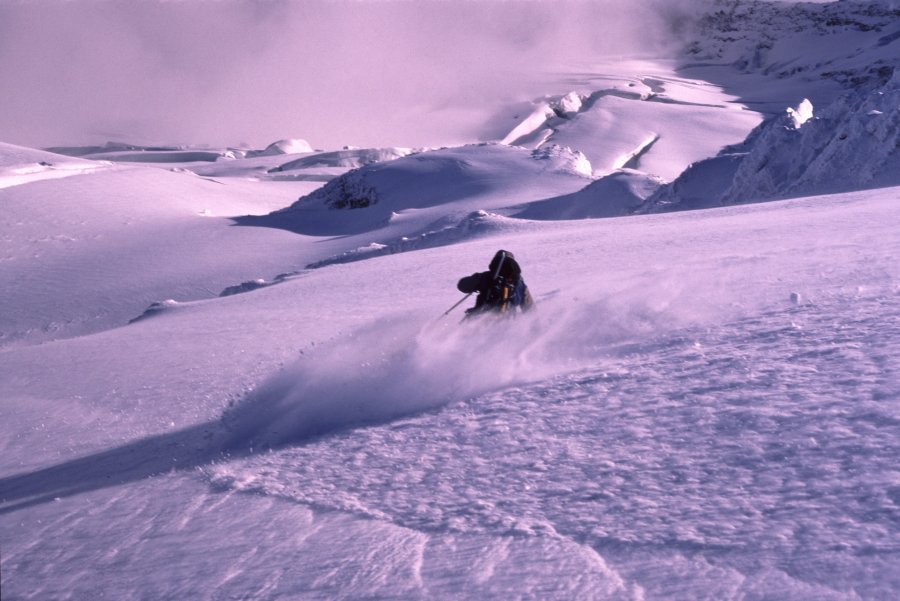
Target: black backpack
507	286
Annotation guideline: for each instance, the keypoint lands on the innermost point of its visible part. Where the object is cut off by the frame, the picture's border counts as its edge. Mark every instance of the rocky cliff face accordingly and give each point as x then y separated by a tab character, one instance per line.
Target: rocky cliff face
850	143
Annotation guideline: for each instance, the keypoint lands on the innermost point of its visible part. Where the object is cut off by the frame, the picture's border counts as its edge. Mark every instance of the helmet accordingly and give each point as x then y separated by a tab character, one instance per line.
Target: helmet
504	265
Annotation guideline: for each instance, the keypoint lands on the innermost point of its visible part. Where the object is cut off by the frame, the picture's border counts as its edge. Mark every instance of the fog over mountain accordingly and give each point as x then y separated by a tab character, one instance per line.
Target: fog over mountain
335	73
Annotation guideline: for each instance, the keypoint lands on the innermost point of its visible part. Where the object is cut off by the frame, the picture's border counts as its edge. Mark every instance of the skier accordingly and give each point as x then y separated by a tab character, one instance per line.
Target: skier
501	289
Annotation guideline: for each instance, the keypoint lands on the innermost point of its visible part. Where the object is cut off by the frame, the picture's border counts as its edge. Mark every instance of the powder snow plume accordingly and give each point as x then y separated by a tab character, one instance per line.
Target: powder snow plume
396	366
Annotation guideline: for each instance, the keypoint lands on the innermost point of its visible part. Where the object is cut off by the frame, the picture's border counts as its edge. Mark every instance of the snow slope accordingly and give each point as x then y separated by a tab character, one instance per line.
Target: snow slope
89	253
20	165
675	420
233	378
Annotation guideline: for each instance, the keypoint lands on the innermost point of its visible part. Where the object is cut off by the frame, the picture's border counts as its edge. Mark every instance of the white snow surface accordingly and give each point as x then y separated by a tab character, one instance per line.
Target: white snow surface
229	375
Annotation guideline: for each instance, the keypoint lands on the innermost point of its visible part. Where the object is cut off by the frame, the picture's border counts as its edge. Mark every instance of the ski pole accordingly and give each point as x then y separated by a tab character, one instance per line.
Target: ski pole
447	312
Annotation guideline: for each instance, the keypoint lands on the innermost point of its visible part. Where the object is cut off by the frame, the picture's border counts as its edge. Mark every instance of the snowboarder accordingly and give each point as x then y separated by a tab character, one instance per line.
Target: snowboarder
501	289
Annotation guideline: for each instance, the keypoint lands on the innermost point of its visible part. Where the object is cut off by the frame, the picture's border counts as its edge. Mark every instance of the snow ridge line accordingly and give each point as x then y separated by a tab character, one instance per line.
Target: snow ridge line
632	159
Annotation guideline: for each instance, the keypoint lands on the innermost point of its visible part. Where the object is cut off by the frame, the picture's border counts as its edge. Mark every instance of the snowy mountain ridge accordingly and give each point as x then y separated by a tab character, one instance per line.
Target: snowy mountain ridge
851	141
851	144
780	39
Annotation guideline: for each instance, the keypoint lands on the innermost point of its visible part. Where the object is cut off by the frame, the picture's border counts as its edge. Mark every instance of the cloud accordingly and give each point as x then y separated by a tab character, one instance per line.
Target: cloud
332	71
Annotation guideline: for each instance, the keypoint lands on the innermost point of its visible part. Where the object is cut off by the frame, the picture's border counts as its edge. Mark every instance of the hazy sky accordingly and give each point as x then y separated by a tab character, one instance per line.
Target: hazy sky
335	72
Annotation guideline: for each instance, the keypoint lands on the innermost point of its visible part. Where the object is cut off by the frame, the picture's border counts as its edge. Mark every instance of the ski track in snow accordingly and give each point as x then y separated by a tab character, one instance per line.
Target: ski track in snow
773	436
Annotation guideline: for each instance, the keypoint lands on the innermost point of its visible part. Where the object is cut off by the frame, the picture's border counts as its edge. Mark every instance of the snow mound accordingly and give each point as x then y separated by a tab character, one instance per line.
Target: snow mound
801	114
442	176
569	105
547	114
564	159
287	146
614	195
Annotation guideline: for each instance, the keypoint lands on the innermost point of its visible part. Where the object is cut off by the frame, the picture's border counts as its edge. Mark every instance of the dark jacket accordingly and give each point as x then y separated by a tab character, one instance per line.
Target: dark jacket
504	273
